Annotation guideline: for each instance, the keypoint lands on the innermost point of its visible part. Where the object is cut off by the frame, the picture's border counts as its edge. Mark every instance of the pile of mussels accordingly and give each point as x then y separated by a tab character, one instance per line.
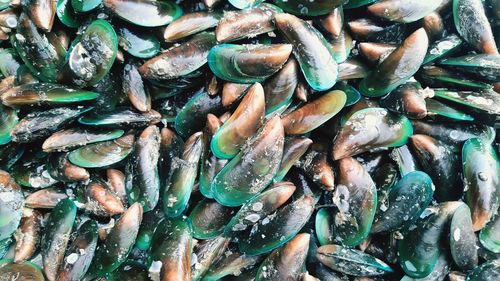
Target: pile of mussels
249	140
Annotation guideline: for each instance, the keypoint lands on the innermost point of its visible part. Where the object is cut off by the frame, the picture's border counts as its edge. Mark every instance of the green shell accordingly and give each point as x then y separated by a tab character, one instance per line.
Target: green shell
102	154
66	13
351	261
33	47
490	235
12	205
91	55
231	62
209	218
307	7
406	201
138	43
324	226
145	13
253	168
8	62
245	4
278	228
45	94
8	119
56	236
20	271
82	6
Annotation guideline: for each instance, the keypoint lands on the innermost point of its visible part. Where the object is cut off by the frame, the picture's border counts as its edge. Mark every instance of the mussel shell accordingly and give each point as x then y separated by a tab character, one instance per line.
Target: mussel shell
121	117
235	25
400	65
259	207
208	252
481	170
441	162
287	262
278	228
314	113
79	253
40	124
172	245
366	126
442	47
66	14
351	261
20	271
102	154
462	239
91	55
180	60
71	138
253	168
308	8
245	4
293	150
8	61
190	24
490	235
179	185
279	88
146	13
28	235
83	6
484	66
473	26
407	199
137	43
46	198
114	250
312	51
45	94
61	169
8	120
354	188
12	205
403	11
56	236
243	124
420	248
247	63
209	218
192	116
232	264
41	52
488	271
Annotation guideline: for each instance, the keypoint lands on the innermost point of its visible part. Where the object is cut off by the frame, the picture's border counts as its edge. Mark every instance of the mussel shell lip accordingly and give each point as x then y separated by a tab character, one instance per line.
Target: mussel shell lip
441	109
145	13
442	47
